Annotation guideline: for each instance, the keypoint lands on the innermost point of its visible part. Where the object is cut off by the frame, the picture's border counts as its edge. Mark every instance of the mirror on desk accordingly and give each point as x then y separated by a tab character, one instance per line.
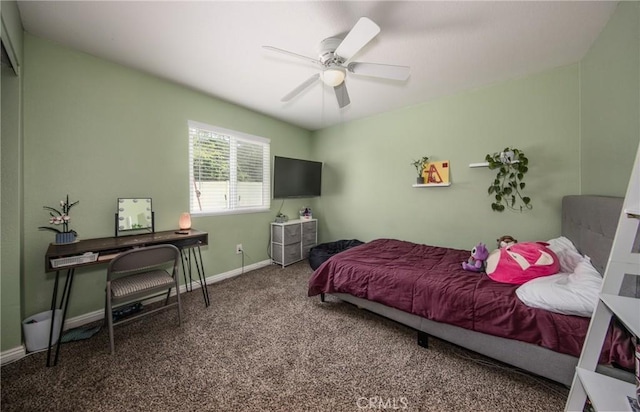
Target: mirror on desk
134	215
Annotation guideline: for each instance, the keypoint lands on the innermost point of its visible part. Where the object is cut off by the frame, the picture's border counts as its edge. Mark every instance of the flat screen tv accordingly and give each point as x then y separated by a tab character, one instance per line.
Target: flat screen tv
296	178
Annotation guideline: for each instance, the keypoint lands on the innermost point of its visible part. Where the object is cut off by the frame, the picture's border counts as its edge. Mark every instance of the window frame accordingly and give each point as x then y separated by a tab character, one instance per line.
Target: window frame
234	136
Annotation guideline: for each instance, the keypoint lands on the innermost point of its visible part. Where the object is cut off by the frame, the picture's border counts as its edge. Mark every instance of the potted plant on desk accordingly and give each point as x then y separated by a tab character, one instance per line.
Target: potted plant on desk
61	217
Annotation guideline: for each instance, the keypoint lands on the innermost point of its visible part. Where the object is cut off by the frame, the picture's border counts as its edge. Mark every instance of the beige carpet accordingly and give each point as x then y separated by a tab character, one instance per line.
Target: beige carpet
263	345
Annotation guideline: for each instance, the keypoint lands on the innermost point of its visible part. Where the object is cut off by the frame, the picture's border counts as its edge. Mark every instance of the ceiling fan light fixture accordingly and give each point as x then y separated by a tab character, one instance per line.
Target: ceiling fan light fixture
334	56
333	76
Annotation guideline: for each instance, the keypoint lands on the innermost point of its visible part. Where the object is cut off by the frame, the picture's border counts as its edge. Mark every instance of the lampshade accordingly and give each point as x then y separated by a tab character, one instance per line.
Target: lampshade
185	221
333	76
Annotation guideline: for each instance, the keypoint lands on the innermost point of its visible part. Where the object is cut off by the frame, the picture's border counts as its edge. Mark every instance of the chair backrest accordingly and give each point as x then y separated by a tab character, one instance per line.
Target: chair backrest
144	258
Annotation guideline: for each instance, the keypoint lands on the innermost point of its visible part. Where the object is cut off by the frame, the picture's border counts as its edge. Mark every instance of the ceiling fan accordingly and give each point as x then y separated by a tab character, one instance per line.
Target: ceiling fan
334	63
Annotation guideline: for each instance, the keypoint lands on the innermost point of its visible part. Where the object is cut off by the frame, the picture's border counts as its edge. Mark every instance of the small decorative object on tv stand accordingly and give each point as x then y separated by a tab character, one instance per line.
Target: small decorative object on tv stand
281	218
305	213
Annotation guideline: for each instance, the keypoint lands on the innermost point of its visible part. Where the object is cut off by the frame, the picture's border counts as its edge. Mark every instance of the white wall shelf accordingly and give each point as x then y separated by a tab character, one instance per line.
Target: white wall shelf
486	164
481	164
432	184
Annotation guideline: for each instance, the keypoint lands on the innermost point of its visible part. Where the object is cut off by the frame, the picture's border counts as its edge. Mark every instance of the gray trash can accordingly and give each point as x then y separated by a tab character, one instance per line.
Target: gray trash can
36	330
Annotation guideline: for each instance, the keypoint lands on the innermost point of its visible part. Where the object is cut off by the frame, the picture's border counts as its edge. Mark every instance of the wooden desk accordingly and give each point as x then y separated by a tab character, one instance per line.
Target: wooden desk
107	248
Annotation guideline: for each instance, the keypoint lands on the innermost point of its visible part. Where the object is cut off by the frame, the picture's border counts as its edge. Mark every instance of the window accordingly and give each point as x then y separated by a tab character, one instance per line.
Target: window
229	172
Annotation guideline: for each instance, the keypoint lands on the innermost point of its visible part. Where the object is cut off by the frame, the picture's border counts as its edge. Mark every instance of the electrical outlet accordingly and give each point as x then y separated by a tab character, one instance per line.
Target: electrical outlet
239	248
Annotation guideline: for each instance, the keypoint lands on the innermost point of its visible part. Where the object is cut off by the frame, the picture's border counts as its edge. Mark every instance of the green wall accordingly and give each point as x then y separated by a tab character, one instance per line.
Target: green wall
11	202
610	109
368	176
98	131
11	178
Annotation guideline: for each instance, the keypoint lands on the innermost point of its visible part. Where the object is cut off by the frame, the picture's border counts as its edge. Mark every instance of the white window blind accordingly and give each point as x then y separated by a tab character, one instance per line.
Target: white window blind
229	171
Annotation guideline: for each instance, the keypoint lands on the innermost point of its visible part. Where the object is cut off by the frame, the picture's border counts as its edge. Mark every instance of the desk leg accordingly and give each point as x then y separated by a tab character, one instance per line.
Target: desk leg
64	304
66	300
186	265
201	276
54	301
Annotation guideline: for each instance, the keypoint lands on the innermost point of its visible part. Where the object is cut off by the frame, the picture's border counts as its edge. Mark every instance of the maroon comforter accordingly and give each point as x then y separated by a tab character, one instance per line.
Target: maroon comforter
429	281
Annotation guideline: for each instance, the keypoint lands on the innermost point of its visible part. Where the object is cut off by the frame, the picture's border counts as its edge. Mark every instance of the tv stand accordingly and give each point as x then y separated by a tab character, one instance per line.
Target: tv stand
292	240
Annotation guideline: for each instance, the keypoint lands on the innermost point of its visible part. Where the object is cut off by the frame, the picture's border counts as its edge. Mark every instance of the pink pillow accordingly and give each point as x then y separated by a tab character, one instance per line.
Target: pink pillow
521	262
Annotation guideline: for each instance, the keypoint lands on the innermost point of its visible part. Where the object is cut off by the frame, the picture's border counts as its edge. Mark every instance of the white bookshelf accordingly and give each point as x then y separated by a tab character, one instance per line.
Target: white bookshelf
626	309
607	393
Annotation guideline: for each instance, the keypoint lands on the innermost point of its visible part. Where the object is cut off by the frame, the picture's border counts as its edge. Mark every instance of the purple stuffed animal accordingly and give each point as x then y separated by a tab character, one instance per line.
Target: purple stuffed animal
478	258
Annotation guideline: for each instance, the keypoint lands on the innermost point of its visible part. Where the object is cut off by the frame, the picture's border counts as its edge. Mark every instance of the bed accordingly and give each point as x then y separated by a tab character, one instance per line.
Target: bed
425	288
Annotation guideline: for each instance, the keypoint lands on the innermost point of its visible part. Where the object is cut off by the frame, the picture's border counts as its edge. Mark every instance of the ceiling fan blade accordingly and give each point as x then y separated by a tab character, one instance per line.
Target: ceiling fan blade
299	56
357	38
342	95
385	71
293	93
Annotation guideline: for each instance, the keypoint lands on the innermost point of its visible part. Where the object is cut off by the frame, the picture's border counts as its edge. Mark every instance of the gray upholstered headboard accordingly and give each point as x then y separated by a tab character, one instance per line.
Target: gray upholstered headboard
591	222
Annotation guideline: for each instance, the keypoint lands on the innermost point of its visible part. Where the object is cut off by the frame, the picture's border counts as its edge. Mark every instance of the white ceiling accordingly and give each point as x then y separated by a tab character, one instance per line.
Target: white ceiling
215	46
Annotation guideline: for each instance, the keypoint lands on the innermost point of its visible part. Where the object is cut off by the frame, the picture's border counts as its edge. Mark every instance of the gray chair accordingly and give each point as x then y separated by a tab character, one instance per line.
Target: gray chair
141	274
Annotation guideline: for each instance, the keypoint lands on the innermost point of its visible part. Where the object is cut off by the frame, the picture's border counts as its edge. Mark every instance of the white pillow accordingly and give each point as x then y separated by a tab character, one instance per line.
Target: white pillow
566	293
568	255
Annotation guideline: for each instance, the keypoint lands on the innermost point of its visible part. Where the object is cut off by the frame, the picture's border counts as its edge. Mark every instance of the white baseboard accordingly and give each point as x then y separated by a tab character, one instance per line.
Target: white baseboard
233	273
12	355
19	352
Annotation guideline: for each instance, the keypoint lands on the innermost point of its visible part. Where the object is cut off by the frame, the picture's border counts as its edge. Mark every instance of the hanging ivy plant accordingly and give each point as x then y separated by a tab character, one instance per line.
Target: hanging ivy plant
507	188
